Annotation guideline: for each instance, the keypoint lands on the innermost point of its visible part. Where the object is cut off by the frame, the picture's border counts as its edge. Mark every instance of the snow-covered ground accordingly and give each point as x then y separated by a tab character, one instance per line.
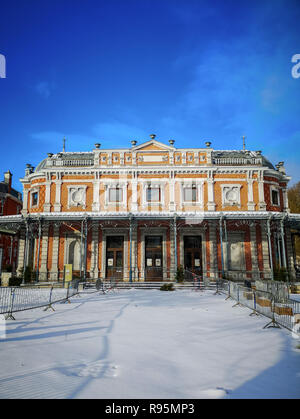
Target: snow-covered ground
147	344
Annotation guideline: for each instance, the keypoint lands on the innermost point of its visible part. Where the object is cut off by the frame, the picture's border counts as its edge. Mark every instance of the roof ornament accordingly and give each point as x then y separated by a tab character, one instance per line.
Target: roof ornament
64	145
133	143
244	142
172	142
152	136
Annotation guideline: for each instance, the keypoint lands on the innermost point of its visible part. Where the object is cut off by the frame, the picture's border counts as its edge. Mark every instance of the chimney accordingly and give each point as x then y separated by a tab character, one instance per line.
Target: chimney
29	169
8	179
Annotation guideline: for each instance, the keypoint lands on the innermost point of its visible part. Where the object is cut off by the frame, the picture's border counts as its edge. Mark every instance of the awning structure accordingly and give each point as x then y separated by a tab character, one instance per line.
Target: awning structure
274	229
293	220
11	224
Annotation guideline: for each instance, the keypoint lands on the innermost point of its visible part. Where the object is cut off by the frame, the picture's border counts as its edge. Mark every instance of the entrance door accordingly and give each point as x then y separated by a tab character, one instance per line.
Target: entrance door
192	254
153	258
114	257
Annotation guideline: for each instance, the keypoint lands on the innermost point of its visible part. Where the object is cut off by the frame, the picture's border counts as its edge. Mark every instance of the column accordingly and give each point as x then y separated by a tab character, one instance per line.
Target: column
250	180
221	245
25	201
21	251
213	249
285	200
265	250
47	204
172	206
134	203
96	195
95	251
289	252
134	251
173	267
253	244
261	194
55	250
44	252
58	183
211	206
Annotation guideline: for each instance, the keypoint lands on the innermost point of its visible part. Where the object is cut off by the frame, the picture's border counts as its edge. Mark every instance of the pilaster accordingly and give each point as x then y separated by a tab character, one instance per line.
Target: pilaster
44	253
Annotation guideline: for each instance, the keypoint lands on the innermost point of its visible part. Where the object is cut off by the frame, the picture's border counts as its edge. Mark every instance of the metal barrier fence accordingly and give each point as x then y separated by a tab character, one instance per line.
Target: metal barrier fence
14	299
281	312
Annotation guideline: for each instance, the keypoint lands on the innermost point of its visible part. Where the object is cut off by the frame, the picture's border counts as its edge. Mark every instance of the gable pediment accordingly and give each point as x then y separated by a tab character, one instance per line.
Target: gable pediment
153	145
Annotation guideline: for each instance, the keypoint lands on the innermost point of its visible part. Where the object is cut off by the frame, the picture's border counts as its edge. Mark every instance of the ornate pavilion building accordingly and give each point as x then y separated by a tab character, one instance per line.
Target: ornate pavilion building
138	213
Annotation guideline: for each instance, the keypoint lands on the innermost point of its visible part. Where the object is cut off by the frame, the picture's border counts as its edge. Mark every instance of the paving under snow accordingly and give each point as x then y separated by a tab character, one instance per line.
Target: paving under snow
147	344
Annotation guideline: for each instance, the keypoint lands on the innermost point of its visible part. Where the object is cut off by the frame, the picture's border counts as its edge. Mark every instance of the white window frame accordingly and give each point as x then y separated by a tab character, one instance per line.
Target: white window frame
33	191
190	183
153	188
272	189
153	184
115	185
116	201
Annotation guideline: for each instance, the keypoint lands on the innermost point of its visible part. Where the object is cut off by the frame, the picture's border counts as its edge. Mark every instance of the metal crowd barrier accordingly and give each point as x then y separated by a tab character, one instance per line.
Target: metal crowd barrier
14	299
283	312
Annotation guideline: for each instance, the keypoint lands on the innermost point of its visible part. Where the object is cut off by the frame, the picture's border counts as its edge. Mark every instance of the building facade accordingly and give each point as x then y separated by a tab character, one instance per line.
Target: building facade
138	213
10	204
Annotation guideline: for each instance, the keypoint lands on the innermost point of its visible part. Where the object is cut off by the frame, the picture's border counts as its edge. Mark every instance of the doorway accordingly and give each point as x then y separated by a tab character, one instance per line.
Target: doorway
193	254
114	257
153	258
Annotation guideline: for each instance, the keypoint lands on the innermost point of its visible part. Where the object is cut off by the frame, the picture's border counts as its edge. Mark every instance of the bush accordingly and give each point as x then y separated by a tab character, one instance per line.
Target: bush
179	274
280	274
15	282
27	274
167	287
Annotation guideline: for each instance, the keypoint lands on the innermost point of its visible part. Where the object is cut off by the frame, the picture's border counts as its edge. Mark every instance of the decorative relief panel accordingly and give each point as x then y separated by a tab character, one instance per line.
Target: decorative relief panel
77	196
231	195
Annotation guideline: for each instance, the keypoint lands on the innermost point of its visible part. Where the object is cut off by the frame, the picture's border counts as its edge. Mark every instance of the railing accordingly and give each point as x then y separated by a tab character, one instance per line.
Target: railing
83	162
237	161
14	299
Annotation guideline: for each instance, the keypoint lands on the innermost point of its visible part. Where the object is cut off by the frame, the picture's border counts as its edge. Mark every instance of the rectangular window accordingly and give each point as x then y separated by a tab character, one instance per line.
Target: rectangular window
153	195
115	195
275	197
190	194
34	199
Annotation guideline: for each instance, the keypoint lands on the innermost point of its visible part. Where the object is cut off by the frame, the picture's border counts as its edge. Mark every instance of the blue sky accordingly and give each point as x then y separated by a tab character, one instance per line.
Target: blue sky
116	70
